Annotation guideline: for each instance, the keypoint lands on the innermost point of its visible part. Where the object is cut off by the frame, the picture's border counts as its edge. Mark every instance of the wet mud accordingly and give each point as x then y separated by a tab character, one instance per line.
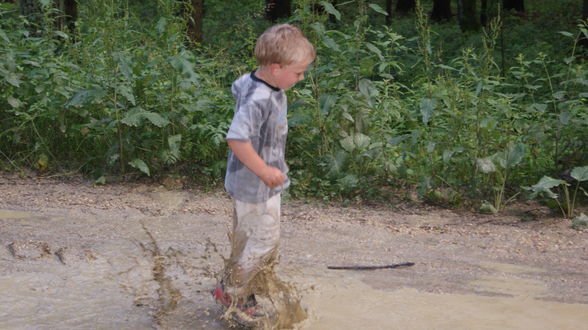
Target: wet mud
135	256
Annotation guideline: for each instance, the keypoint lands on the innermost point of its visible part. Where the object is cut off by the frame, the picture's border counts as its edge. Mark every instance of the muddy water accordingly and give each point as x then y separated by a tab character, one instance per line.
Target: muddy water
346	302
39	291
71	271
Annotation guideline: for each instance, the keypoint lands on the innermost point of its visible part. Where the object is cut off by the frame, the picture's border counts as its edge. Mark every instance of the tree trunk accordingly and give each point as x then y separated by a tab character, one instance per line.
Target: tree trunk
389	11
468	20
71	13
441	10
484	12
404	7
276	9
584	41
64	18
518	5
68	14
194	18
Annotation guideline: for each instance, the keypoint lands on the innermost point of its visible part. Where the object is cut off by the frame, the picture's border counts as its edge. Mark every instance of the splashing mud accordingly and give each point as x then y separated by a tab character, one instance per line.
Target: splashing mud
279	301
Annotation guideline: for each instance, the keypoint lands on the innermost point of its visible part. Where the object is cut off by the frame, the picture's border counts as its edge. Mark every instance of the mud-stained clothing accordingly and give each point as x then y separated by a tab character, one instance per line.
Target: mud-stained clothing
261	119
254	242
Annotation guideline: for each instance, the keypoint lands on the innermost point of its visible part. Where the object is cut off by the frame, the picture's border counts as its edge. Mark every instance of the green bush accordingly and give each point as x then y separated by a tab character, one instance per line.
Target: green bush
459	116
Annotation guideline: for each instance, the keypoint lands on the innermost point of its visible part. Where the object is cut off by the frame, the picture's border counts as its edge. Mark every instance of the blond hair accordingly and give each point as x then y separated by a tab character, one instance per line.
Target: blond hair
283	44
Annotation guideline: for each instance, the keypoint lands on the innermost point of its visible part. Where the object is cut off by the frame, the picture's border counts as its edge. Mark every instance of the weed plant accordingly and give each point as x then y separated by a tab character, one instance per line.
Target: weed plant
464	118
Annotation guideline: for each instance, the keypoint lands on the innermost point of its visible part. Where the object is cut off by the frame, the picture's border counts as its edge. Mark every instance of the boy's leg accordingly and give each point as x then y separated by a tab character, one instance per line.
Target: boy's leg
254	242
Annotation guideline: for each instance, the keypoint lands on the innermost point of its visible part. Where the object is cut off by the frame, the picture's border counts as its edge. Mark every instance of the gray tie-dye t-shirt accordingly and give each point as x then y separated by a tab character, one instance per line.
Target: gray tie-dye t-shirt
260	118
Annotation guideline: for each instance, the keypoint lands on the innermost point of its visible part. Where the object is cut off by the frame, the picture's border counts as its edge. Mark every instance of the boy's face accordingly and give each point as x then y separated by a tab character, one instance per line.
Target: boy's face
285	76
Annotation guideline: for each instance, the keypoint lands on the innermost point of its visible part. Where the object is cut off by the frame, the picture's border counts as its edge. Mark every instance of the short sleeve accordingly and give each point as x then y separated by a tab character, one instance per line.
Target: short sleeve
245	125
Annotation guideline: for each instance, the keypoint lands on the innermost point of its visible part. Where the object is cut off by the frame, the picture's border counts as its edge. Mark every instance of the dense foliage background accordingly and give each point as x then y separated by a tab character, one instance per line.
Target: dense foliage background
463	118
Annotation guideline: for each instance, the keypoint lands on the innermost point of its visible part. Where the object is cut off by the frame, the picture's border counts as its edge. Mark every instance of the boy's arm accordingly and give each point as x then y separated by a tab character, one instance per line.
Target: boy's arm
244	151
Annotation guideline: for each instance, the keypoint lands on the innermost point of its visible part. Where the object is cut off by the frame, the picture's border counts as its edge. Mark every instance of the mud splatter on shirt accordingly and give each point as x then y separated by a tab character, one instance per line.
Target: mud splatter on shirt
261	119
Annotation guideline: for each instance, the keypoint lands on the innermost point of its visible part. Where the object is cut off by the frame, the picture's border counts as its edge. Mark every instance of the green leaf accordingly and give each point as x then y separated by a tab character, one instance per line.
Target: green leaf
447	154
15	103
543	187
329	8
580	222
486	165
133	117
378	9
62	34
367	88
580	173
539	107
488	123
347	143
326	101
511	157
565	117
140	165
347	116
330	43
84	97
427	107
127	93
488	208
361	141
156	119
337	163
185	65
13	79
559	95
124	65
349	181
4	36
446	67
375	50
174	143
100	181
161	25
136	116
565	33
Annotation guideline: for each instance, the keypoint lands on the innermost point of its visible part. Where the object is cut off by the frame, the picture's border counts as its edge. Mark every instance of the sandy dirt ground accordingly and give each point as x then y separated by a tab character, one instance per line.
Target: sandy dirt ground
145	256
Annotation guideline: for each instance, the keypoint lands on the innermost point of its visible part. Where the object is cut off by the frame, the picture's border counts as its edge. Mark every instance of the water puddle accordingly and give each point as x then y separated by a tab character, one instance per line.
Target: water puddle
510	269
343	301
46	300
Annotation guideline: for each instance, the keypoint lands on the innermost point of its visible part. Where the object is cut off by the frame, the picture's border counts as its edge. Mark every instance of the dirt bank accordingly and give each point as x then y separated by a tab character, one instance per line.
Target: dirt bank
137	256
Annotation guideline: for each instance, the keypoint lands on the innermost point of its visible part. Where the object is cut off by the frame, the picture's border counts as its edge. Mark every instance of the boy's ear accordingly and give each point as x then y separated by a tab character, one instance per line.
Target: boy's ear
274	67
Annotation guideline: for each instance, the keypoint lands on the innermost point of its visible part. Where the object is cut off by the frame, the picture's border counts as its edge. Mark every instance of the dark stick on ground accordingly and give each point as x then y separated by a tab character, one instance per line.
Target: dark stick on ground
405	264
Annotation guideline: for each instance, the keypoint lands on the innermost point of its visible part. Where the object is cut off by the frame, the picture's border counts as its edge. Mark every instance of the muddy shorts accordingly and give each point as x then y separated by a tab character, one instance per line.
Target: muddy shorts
254	241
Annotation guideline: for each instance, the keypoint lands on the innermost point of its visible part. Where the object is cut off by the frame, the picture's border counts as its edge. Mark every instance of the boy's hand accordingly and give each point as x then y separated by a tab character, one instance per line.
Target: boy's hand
272	177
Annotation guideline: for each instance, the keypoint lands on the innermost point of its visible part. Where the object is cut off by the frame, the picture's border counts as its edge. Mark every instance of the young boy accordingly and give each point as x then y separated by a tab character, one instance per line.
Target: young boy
256	168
